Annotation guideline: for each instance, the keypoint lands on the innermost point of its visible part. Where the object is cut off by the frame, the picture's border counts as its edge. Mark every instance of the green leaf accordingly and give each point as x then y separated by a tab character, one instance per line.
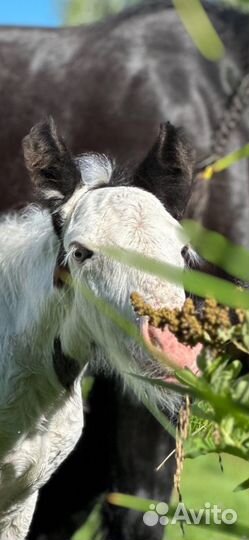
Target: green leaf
225	162
163	384
88	11
200	28
130	501
193	281
216	249
87	386
240	391
143	505
243	486
222	404
198	411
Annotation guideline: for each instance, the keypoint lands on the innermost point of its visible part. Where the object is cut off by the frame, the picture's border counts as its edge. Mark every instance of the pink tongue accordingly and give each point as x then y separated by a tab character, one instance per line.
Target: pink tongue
179	355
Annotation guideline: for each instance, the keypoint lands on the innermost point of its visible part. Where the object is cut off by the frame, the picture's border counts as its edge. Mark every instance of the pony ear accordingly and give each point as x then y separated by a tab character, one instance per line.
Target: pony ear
49	162
167	170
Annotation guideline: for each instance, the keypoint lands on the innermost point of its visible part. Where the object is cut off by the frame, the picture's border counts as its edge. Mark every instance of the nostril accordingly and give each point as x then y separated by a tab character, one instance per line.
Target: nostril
80	253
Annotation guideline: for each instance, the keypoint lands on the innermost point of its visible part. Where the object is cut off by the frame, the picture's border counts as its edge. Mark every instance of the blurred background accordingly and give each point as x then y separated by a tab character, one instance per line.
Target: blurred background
61	12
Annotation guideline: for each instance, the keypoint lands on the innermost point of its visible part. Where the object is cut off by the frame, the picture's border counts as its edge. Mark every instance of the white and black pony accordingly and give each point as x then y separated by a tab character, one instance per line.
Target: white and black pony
109	85
50	262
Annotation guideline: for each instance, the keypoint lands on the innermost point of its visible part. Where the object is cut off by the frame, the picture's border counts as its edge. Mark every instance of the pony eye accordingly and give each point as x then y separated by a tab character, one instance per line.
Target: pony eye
81	253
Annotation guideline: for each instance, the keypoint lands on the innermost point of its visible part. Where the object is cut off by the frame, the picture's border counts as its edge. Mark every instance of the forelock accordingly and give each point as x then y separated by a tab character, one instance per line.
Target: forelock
95	169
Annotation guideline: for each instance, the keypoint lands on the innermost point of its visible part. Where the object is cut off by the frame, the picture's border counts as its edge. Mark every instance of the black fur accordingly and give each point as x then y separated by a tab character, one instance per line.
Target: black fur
170	163
67	369
50	163
119	451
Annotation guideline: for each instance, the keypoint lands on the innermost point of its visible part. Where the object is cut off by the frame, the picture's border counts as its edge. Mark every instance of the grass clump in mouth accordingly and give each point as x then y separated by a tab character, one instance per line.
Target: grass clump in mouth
212	324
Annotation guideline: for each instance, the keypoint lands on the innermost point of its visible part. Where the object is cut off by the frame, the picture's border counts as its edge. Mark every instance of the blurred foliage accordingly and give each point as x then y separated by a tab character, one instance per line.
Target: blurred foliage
220	421
194	281
197	23
87	11
219	488
243	4
225	162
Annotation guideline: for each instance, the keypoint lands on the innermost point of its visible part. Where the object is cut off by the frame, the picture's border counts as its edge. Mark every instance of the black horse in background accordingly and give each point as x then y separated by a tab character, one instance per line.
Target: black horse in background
109	85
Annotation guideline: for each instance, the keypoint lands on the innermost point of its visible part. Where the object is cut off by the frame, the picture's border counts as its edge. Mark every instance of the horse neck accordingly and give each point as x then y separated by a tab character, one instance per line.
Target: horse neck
30	315
28	252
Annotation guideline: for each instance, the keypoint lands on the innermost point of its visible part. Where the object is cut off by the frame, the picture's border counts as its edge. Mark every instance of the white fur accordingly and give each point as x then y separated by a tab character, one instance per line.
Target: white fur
40	422
96	169
129	218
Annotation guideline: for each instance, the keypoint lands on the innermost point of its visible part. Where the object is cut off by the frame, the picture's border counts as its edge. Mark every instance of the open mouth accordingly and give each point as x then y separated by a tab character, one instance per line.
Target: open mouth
177	355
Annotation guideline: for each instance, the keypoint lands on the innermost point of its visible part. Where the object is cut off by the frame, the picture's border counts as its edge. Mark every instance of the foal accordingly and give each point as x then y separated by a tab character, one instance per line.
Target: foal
149	68
50	328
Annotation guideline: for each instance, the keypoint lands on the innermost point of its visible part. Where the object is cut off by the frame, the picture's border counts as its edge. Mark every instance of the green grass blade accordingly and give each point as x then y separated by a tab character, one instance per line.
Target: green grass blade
244	485
193	281
222	404
225	162
130	501
143	505
200	28
216	249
